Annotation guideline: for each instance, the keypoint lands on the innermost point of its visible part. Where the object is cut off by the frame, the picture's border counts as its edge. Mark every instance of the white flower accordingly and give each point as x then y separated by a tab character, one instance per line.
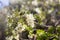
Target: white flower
51	0
35	2
9	38
59	1
20	28
17	37
38	10
49	11
30	19
47	2
30	36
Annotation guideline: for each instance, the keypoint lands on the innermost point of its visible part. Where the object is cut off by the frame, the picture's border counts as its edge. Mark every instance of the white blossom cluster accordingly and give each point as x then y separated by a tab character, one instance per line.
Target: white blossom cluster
19	27
16	32
52	1
30	19
13	37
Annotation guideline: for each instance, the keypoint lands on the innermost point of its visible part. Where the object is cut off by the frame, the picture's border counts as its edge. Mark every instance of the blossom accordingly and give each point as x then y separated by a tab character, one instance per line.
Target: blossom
35	2
19	28
30	20
17	37
59	1
9	38
38	10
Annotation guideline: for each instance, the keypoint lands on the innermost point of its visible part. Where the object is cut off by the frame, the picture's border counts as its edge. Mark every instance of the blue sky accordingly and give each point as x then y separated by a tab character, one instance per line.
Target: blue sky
4	3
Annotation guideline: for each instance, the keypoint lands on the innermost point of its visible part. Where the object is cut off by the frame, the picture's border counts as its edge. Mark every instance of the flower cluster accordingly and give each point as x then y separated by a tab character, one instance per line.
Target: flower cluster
30	20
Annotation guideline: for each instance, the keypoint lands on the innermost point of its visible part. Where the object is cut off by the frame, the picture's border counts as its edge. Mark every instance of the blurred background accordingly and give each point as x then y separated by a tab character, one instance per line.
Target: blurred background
29	19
